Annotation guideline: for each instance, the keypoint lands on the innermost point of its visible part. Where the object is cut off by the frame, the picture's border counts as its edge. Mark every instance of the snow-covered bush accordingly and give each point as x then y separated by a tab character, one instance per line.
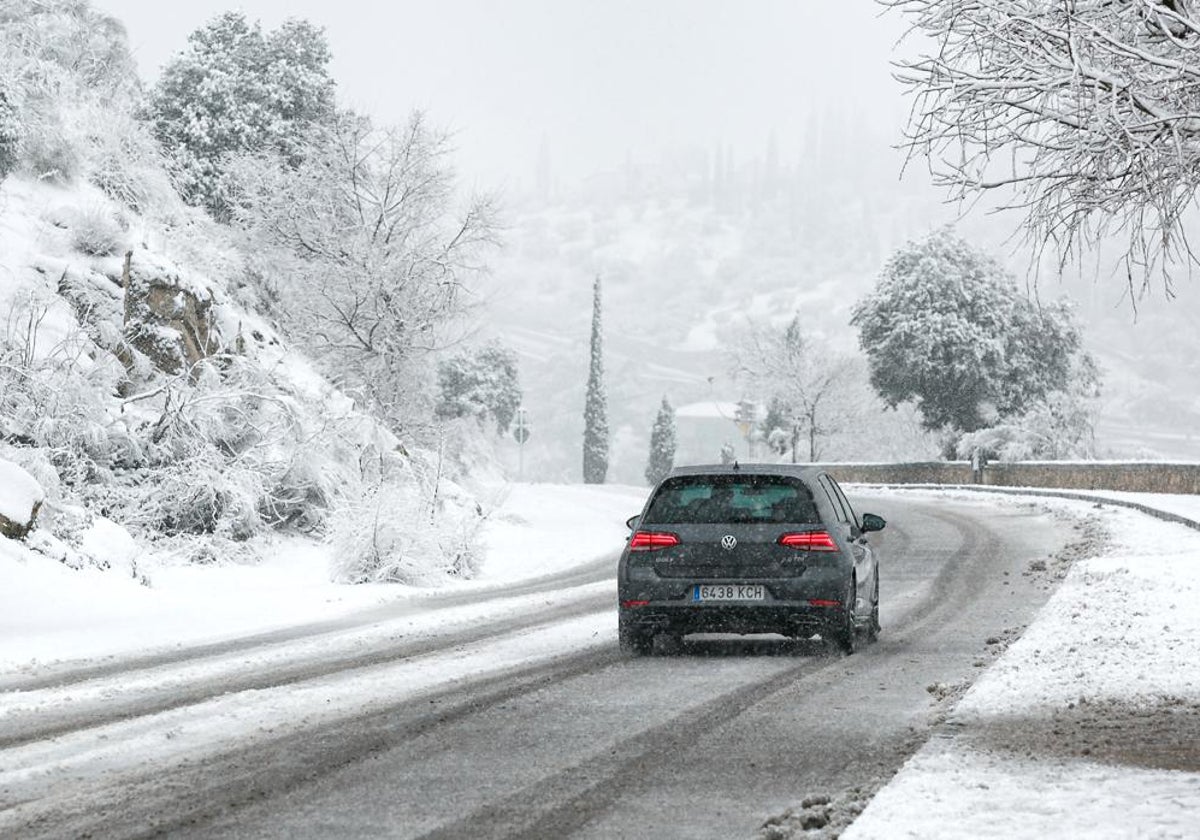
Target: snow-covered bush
70	80
48	148
1058	427
49	384
10	135
124	160
96	231
412	527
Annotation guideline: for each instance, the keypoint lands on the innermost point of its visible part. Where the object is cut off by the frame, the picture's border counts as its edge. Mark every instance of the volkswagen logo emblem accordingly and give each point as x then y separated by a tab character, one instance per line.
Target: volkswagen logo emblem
729	542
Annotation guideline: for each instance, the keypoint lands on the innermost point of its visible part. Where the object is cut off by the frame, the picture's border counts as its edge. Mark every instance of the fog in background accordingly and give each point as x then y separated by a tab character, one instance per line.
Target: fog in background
595	80
718	165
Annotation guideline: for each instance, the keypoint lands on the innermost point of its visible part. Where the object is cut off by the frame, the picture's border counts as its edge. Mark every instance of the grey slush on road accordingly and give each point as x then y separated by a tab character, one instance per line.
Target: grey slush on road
753	548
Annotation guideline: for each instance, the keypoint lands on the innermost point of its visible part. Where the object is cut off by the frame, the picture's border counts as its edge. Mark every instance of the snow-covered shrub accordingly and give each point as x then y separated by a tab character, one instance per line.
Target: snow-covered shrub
414	527
10	135
301	493
49	151
96	231
124	161
1057	428
70	75
49	383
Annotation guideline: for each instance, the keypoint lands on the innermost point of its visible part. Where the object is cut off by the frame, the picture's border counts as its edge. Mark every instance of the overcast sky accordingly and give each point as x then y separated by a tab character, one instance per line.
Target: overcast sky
597	79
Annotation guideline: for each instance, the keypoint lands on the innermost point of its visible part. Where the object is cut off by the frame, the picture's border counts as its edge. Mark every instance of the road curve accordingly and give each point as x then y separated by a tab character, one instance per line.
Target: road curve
702	741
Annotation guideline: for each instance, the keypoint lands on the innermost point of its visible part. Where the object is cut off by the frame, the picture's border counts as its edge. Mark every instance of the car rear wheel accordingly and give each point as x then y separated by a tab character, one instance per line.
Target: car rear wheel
630	637
873	627
845	634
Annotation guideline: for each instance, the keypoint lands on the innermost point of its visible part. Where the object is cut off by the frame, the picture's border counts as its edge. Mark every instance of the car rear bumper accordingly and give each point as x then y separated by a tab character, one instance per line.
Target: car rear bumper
799	619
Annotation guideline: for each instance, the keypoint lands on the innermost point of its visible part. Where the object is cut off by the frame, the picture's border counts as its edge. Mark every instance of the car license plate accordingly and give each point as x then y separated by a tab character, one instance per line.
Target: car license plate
728	592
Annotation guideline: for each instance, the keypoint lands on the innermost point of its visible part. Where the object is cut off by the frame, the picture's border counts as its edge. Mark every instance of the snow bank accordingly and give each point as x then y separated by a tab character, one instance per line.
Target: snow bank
20	493
1088	726
49	612
543	528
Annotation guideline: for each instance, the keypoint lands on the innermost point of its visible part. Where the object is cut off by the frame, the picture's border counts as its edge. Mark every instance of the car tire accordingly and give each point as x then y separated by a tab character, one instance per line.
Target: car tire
631	638
873	626
845	634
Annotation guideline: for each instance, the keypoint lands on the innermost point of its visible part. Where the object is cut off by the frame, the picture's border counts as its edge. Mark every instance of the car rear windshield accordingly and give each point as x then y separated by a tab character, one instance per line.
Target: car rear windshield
726	498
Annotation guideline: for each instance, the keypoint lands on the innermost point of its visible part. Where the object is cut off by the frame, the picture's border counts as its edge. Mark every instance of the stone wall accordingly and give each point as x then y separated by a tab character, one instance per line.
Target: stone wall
1132	477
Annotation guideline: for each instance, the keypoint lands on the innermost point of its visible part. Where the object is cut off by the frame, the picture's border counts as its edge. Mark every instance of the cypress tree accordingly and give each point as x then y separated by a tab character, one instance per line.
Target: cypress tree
595	410
662	444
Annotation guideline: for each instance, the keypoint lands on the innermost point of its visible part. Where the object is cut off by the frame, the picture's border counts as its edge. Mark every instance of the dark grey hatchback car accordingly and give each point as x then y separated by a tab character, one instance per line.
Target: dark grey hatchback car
754	548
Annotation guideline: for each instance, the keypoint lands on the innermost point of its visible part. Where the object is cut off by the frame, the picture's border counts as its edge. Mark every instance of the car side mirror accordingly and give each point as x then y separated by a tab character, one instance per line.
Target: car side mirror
632	522
871	522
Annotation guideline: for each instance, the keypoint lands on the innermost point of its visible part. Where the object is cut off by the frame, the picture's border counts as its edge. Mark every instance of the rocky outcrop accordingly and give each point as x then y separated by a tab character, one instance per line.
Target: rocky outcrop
167	318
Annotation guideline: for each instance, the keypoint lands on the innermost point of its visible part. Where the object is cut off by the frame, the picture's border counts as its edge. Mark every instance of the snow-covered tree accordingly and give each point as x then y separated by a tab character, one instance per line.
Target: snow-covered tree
1085	110
948	328
662	444
236	90
482	384
804	383
367	253
595	410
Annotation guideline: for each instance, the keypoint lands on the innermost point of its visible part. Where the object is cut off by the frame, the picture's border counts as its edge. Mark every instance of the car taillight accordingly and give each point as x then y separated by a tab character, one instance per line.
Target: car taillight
809	541
652	540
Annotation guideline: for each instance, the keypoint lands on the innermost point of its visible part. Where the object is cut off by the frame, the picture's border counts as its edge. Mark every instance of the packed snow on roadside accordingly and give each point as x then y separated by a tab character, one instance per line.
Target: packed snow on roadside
49	612
1089	725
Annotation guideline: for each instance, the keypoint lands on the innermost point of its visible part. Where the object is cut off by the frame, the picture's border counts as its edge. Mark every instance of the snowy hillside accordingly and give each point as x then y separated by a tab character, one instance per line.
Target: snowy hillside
148	384
199	460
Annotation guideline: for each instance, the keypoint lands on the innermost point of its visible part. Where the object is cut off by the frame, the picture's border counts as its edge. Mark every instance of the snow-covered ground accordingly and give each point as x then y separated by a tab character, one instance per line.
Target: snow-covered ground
50	612
1089	725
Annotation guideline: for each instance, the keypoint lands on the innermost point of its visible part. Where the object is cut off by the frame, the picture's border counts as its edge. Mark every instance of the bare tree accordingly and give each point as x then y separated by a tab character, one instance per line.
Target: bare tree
377	257
1088	111
802	381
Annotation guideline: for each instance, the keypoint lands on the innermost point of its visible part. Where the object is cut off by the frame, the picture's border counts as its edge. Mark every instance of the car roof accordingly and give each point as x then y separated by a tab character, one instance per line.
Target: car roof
796	470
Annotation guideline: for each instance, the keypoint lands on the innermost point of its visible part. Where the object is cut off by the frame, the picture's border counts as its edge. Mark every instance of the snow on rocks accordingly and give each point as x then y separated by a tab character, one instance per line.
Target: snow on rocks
20	498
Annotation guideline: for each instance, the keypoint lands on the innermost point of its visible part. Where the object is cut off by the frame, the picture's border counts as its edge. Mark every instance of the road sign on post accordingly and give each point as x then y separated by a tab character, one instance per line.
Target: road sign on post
521	434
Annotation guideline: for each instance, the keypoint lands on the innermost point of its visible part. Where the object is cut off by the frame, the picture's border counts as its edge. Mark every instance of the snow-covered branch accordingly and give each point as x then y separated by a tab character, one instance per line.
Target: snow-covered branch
1088	110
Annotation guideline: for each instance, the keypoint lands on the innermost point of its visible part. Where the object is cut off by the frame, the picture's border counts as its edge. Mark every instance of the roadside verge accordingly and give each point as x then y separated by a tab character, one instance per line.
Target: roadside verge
1087	726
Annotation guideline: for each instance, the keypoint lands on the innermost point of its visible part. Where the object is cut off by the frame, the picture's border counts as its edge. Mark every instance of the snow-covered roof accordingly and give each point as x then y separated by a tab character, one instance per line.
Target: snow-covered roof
714	409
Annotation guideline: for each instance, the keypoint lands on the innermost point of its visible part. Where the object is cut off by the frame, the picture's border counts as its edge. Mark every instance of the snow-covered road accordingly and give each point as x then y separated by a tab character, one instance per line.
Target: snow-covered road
351	721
